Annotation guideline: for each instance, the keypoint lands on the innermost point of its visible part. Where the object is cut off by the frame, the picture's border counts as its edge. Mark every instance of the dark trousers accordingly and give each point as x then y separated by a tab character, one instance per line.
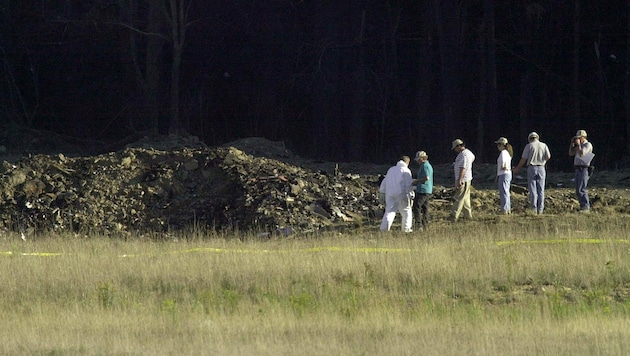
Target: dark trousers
421	205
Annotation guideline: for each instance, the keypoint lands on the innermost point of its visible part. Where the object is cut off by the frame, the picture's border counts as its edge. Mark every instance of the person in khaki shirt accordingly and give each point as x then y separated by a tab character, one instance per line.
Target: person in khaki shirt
582	151
535	156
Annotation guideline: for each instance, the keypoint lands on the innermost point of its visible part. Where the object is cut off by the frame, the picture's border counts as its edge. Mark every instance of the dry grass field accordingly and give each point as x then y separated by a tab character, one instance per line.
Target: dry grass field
528	286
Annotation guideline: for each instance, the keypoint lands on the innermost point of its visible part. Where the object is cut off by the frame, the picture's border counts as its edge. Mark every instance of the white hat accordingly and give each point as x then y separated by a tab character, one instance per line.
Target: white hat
532	135
580	133
456	143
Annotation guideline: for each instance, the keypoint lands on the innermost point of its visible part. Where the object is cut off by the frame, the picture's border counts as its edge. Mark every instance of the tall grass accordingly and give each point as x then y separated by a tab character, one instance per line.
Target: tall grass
518	286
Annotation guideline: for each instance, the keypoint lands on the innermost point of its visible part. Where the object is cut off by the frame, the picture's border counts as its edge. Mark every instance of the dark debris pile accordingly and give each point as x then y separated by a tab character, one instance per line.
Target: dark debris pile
143	189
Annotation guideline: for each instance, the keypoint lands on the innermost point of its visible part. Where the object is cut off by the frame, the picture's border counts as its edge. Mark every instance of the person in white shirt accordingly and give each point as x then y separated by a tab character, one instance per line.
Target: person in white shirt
462	169
582	151
504	174
398	195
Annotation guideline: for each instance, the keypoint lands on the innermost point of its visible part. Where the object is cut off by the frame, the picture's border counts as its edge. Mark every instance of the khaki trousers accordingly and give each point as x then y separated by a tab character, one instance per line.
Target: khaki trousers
462	201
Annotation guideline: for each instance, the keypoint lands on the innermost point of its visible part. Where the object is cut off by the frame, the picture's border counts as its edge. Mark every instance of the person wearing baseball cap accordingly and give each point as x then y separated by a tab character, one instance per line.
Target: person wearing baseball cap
582	152
462	168
535	156
424	191
504	174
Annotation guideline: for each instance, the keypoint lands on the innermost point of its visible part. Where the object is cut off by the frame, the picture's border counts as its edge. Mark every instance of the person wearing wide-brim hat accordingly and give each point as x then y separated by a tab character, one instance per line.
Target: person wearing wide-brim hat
504	174
462	168
535	156
582	151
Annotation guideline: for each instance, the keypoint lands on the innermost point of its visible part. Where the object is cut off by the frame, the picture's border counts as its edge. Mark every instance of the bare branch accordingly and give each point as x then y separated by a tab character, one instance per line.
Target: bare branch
137	30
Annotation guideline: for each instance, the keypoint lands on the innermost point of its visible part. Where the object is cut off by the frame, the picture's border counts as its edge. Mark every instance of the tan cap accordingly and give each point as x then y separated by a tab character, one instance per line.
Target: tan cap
580	133
456	143
420	154
502	140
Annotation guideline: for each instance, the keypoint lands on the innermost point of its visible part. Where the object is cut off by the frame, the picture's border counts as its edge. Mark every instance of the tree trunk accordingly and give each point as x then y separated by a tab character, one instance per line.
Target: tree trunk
448	22
575	90
488	125
152	71
356	151
326	85
627	89
147	79
177	18
526	87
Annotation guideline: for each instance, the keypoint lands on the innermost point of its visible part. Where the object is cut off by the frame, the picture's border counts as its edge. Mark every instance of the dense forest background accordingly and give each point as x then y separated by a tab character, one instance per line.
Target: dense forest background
353	80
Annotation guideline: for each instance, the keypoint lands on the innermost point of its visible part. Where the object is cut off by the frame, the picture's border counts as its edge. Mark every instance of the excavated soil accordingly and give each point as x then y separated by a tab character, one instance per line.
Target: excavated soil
157	186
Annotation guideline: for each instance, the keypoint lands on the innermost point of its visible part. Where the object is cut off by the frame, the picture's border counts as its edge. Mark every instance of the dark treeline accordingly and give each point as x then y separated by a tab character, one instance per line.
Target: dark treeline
352	80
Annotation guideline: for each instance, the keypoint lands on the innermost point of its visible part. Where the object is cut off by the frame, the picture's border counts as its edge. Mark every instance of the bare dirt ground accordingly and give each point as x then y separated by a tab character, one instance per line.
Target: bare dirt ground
160	185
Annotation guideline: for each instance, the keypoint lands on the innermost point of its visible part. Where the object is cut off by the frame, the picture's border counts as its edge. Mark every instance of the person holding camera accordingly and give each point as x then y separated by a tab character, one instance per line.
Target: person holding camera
582	151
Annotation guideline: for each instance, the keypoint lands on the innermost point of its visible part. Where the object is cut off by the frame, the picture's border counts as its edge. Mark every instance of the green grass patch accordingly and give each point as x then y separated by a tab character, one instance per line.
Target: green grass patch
495	292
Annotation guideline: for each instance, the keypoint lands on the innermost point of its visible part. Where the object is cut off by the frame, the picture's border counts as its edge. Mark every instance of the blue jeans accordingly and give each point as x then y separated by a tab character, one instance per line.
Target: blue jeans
581	185
536	176
504	192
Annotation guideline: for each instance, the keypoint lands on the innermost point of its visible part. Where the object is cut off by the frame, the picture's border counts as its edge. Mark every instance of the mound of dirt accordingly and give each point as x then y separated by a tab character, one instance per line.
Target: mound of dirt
175	183
169	185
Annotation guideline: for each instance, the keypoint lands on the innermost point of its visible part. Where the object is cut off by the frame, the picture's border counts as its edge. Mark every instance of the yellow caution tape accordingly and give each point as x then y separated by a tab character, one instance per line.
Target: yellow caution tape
561	241
45	254
312	249
334	248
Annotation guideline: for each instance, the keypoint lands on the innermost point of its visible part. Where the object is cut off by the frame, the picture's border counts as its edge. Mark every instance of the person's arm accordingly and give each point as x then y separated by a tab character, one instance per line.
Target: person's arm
575	144
407	182
460	181
503	161
521	163
420	180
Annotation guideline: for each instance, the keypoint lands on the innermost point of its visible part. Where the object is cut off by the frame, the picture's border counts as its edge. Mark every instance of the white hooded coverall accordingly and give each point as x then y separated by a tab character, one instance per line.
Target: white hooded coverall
398	196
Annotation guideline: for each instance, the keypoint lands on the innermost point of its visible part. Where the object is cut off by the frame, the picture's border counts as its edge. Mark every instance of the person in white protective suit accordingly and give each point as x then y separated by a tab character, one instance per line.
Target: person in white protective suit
398	195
